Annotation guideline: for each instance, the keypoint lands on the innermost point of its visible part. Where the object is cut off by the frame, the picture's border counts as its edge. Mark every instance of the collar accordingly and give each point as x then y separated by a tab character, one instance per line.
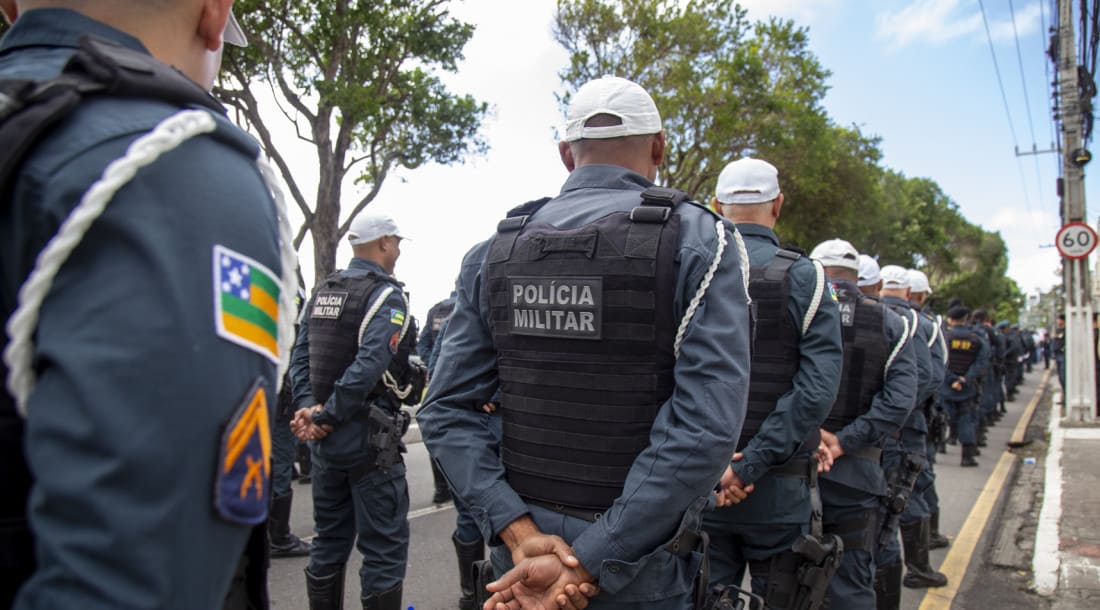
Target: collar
604	177
749	229
60	27
897	301
363	264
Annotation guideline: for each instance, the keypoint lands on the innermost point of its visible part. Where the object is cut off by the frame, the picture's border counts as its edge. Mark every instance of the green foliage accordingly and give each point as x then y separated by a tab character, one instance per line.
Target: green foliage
359	80
728	88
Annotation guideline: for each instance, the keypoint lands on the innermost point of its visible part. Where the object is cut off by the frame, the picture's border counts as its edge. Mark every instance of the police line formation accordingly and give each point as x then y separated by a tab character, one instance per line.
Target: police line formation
633	398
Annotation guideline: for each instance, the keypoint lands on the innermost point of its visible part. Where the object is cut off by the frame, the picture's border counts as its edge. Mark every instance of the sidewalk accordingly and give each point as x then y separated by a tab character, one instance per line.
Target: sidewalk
1066	561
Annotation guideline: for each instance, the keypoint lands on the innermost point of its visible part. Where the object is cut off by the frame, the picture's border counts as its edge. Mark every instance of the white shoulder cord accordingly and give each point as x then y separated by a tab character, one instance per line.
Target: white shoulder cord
913	331
901	343
815	302
288	261
388	379
18	356
694	305
935	336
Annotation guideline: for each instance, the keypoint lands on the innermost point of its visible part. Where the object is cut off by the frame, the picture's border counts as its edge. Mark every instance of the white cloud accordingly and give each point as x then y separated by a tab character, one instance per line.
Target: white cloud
939	21
802	12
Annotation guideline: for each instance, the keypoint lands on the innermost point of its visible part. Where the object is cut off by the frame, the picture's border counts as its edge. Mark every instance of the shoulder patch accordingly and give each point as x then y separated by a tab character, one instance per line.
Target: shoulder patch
241	492
246	303
397	317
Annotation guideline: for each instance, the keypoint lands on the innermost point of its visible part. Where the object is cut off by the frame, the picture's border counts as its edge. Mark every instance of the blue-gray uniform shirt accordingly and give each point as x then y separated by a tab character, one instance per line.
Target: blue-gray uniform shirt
980	331
430	334
346	408
889	408
695	431
970	387
923	356
125	425
821	357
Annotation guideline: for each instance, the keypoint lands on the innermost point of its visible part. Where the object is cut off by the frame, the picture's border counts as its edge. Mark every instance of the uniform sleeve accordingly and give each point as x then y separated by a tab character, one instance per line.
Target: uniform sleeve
424	343
696	430
923	357
301	388
938	358
801	410
137	383
980	363
890	406
376	350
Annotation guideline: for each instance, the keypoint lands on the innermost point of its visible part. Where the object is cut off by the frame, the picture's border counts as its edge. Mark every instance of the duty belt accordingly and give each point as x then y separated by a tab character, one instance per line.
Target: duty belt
871	454
586	514
797	467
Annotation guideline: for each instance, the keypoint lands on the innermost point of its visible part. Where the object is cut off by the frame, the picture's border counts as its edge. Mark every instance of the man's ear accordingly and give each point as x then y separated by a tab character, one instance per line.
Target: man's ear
212	19
657	149
566	153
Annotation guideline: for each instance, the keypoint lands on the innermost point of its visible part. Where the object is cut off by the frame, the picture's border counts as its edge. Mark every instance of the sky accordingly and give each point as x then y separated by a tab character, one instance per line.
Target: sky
917	73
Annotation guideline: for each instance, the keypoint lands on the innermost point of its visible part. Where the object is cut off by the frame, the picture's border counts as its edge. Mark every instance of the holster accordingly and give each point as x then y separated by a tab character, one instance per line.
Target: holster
901	484
483	575
386	430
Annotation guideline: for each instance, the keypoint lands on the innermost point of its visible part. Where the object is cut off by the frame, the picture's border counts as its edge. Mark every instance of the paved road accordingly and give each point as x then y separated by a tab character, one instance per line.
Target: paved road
432	580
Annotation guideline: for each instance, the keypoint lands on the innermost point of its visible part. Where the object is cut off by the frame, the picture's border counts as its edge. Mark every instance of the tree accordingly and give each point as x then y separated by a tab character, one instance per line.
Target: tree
724	88
357	79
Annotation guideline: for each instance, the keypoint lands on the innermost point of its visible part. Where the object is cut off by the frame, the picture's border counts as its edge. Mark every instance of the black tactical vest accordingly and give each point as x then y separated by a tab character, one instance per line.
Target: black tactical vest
776	339
583	326
866	350
963	345
99	69
438	315
336	315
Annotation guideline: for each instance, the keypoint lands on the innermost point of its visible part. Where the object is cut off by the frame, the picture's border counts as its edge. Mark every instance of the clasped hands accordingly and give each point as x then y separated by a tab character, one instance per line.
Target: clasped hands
303	427
732	490
546	576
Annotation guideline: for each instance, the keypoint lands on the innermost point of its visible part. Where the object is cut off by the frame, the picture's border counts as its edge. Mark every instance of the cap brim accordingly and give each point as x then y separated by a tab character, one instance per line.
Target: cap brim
233	33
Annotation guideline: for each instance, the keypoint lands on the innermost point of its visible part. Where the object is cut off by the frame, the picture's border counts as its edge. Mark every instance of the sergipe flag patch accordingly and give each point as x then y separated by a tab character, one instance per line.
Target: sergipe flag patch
397	317
246	302
241	490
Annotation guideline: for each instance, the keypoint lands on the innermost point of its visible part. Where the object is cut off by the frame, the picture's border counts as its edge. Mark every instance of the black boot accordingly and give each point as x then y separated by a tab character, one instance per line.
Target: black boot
442	492
283	542
468	553
936	540
968	454
326	592
386	600
920	573
305	460
888	587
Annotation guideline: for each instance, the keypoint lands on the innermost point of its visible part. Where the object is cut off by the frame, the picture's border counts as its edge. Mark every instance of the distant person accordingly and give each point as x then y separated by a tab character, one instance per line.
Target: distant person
349	371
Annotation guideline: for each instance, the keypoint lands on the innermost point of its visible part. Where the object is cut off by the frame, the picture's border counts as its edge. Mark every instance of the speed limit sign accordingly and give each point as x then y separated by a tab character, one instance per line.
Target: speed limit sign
1076	240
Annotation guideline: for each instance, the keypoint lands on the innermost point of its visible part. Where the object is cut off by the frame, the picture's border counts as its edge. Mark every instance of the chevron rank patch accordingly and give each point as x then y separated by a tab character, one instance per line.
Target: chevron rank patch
246	303
241	491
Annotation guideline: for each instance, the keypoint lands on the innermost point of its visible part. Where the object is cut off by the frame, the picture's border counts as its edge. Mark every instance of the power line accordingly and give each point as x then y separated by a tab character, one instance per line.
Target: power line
1008	114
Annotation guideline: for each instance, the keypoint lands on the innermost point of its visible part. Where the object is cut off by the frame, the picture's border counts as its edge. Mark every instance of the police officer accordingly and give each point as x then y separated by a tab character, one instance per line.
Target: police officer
906	457
148	371
877	389
919	290
1058	348
981	422
283	449
987	409
623	384
1014	349
795	371
425	345
349	371
967	354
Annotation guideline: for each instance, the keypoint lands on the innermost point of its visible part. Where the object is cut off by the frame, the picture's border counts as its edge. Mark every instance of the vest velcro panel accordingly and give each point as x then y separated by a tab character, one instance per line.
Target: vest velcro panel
866	349
583	326
963	345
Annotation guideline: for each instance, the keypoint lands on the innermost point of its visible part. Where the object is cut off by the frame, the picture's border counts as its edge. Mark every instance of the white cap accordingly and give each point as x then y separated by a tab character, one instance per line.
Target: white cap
369	227
868	271
747	181
233	33
615	96
837	253
918	281
894	276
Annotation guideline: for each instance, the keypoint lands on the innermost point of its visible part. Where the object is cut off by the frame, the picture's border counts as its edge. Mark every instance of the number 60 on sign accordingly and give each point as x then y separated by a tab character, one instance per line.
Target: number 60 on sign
1076	240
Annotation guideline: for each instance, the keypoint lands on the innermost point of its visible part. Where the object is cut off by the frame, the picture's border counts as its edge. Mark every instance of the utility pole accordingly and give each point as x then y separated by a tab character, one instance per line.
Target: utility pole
1080	390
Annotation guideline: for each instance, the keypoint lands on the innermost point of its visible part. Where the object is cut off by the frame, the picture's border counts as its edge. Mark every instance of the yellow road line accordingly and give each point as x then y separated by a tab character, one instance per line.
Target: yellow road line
962	549
1019	435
